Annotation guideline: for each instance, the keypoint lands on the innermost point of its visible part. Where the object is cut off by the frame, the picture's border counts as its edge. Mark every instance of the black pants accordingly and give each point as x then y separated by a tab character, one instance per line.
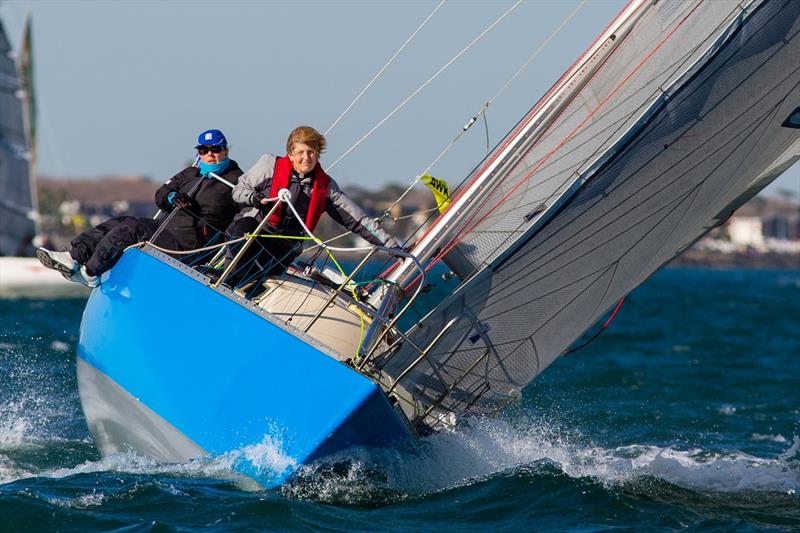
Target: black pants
266	256
101	247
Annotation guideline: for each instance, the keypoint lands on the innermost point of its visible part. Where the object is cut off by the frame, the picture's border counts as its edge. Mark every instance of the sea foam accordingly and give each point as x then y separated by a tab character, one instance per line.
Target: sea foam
495	447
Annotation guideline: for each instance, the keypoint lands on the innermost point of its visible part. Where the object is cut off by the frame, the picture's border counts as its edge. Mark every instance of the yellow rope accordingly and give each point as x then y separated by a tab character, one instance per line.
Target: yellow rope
351	286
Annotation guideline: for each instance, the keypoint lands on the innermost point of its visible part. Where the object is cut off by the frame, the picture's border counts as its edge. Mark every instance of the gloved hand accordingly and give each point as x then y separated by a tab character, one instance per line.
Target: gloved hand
180	199
255	200
394	244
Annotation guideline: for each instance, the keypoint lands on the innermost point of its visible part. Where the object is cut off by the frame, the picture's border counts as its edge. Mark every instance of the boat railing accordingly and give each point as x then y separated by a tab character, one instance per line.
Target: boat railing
382	321
447	386
251	238
340	288
373	336
382	338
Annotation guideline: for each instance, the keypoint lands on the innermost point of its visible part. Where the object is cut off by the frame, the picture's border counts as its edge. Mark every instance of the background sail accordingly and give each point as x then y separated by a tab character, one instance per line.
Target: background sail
708	142
17	209
25	67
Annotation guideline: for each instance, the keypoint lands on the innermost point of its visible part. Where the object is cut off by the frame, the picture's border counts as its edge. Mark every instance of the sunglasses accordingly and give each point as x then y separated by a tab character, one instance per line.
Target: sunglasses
203	150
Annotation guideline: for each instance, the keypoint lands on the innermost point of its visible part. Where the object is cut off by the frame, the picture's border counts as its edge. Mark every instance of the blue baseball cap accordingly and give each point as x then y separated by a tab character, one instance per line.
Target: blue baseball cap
211	138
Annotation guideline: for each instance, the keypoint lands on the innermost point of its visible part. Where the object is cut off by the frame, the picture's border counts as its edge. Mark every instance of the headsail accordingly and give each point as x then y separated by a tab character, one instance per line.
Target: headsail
17	209
679	125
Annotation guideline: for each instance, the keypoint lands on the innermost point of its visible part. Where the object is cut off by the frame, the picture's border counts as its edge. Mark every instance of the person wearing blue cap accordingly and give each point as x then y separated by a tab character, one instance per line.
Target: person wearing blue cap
202	195
211	202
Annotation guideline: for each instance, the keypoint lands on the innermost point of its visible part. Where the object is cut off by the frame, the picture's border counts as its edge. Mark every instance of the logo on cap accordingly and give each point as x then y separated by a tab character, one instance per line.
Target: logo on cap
209	136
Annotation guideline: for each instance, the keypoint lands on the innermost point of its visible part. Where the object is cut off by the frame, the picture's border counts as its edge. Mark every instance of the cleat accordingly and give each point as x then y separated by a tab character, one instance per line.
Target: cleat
60	261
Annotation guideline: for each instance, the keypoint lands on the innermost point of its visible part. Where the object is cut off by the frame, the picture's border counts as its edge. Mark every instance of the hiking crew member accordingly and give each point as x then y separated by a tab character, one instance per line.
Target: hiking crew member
206	208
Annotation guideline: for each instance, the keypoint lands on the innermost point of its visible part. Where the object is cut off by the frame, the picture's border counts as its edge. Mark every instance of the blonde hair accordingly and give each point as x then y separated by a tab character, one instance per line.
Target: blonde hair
306	135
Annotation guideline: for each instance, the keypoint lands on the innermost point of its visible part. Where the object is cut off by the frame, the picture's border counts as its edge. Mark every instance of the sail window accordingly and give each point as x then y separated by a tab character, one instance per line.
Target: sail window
794	119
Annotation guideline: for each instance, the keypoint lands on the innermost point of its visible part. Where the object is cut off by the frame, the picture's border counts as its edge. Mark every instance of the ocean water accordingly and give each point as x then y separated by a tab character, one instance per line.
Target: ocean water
683	415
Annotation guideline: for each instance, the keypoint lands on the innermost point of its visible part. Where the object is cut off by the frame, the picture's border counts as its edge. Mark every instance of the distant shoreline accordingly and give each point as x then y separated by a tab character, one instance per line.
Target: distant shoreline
751	260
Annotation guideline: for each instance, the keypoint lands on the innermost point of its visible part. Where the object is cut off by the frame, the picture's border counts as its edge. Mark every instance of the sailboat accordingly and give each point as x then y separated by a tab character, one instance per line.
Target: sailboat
20	273
677	114
17	200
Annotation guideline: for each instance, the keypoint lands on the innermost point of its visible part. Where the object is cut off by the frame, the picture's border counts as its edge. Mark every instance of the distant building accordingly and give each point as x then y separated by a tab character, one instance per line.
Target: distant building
746	231
777	227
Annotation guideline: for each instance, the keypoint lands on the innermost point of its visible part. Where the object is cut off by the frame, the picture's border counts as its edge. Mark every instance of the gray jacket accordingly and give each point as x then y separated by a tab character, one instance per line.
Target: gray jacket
258	179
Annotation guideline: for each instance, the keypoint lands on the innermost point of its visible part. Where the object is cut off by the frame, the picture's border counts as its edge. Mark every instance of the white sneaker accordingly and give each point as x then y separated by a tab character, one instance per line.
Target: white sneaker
81	276
60	261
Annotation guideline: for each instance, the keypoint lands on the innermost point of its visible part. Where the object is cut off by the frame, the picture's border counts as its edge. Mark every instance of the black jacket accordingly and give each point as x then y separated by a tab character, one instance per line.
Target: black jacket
212	206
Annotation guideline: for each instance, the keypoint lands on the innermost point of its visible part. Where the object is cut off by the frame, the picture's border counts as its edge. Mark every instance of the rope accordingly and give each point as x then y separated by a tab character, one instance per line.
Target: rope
413	94
364	90
187	252
286	198
406	217
599	331
273	236
490	101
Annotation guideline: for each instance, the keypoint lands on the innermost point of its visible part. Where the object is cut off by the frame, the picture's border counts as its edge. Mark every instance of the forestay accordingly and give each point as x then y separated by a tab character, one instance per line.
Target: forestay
680	125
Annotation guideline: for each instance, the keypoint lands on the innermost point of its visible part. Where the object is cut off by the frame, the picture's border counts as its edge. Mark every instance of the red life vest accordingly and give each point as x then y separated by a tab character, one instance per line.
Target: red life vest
319	192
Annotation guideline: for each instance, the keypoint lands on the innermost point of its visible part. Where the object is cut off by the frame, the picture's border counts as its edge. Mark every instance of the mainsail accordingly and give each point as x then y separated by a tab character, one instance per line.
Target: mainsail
17	204
671	120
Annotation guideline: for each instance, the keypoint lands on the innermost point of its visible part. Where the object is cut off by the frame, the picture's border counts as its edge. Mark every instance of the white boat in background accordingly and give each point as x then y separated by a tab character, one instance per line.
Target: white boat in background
21	275
26	277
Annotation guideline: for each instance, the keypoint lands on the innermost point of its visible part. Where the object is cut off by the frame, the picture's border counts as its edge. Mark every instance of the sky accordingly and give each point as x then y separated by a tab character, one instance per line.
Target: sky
124	88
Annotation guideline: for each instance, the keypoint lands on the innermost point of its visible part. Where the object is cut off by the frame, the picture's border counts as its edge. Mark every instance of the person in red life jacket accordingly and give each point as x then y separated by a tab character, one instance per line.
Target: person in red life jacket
312	191
206	208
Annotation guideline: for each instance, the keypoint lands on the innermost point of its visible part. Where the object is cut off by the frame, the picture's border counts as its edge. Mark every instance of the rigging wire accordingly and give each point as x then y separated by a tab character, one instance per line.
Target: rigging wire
416	91
482	111
505	86
674	69
486	129
565	140
381	71
468	125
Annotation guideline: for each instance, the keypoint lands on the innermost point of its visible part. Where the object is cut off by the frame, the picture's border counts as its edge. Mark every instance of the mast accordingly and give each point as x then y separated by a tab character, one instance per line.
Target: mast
529	132
25	69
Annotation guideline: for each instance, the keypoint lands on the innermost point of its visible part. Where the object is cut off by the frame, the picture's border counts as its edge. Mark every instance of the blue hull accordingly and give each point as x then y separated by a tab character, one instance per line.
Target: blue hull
217	372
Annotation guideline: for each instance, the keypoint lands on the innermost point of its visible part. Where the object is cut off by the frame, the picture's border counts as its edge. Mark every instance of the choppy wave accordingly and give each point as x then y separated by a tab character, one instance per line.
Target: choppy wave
446	460
489	448
714	444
